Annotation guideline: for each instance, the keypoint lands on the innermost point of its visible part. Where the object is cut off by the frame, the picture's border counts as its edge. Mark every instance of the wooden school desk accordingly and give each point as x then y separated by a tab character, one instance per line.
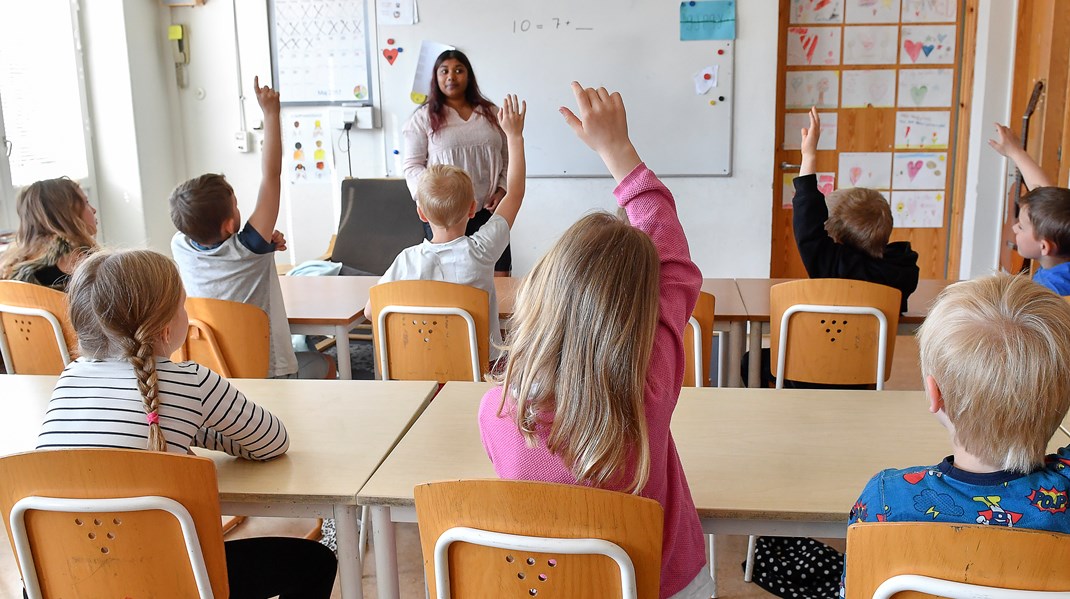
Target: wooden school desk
755	294
327	306
730	315
339	433
758	461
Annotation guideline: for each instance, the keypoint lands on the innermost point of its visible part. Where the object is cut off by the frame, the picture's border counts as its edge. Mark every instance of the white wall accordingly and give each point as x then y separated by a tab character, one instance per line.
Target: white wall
728	220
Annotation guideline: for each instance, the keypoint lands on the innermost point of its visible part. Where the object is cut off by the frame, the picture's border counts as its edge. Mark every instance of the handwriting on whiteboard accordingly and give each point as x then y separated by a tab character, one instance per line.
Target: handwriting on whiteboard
551	24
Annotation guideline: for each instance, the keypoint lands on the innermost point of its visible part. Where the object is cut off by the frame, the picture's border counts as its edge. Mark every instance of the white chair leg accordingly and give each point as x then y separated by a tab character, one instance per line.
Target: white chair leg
713	563
748	573
365	524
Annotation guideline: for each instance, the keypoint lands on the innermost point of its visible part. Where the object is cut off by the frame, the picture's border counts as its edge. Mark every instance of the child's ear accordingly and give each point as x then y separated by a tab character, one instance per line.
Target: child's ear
420	212
932	391
472	210
230	227
1048	248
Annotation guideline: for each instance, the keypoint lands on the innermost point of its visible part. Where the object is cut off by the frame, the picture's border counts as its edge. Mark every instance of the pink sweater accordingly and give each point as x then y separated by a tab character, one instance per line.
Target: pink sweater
651	209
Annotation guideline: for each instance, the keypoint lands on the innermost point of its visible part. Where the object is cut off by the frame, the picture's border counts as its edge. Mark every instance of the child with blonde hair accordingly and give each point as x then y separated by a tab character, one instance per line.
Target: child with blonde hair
57	225
446	201
124	392
595	354
993	355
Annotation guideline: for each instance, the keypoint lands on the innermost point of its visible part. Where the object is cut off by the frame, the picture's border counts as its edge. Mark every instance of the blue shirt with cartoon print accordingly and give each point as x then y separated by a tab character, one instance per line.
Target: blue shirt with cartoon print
944	493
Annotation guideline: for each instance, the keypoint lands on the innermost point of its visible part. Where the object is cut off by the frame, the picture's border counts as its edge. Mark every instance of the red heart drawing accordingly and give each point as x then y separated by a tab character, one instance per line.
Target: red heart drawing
912	48
391	54
913	168
855	174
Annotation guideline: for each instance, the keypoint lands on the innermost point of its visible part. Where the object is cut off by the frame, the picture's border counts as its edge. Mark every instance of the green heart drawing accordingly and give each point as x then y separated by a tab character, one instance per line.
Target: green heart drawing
917	93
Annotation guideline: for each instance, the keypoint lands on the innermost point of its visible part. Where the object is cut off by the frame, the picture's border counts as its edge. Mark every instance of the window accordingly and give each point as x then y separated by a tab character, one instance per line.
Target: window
42	112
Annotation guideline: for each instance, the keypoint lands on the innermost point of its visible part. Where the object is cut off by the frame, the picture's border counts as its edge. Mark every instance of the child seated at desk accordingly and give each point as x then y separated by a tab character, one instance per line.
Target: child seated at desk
219	261
124	392
993	354
445	199
1042	232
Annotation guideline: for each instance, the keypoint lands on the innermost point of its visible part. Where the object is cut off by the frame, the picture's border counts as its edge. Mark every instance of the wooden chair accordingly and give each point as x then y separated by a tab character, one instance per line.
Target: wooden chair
430	330
494	538
114	523
955	560
231	338
839	329
698	342
36	336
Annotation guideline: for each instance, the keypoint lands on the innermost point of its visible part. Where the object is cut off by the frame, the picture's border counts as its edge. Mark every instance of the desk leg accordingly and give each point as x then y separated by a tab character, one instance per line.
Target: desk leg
386	553
754	368
736	334
350	568
341	341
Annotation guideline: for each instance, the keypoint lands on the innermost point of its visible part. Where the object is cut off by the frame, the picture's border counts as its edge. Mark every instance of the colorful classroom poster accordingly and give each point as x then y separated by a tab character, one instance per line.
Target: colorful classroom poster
928	44
805	89
926	170
917	209
795	122
320	51
922	130
872	11
816	11
865	169
306	148
826	184
707	20
925	88
870	45
862	89
930	11
813	46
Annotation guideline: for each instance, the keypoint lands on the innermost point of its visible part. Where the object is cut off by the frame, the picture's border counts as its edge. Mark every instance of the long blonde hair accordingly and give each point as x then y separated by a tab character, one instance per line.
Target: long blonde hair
120	303
50	225
579	349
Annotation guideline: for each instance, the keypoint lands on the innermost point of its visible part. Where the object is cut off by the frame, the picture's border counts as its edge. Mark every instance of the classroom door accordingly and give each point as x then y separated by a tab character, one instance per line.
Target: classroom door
891	80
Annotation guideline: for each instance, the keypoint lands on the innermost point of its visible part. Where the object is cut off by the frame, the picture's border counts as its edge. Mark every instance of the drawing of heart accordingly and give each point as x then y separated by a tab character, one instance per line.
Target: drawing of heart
796	83
391	54
917	93
927	49
855	174
868	43
941	37
913	48
913	168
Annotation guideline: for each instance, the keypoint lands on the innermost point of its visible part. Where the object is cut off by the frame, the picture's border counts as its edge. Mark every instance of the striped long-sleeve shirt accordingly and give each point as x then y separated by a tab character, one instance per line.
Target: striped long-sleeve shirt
96	403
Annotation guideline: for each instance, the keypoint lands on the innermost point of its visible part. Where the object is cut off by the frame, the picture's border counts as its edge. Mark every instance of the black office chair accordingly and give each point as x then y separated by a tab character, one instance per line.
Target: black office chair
378	221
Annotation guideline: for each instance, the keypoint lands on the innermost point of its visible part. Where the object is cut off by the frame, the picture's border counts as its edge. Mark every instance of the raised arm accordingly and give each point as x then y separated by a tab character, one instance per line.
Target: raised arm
1008	144
511	118
236	425
416	135
266	212
817	249
810	136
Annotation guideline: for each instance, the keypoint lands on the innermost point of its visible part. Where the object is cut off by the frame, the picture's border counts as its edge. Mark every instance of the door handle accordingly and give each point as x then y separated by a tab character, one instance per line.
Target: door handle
787	166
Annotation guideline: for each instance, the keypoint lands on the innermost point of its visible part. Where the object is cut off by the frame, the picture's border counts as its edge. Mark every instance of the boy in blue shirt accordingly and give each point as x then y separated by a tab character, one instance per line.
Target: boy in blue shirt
993	354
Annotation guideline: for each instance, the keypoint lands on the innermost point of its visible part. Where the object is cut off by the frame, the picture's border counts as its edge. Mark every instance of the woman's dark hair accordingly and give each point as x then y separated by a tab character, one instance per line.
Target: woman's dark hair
436	100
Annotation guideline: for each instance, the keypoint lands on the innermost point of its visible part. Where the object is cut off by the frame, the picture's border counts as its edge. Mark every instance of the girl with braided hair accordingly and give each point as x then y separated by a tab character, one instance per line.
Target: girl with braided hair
128	308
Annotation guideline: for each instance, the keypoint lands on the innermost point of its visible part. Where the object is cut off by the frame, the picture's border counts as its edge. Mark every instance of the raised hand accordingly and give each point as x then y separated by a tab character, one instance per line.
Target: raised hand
602	124
266	97
511	116
812	134
1006	142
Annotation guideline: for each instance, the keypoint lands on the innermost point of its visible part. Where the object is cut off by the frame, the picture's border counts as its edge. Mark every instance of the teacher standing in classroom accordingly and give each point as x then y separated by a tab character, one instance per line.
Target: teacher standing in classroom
458	126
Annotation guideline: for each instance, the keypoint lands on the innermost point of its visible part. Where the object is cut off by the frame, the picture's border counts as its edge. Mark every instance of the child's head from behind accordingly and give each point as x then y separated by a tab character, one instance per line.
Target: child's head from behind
996	348
55	208
580	347
445	195
205	209
861	218
1043	227
129	305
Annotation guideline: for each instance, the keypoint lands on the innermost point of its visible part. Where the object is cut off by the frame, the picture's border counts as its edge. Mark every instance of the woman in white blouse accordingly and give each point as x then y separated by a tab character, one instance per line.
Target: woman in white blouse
457	125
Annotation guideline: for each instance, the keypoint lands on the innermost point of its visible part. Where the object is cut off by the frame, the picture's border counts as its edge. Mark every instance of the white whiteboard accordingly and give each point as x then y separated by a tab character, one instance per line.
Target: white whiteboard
536	48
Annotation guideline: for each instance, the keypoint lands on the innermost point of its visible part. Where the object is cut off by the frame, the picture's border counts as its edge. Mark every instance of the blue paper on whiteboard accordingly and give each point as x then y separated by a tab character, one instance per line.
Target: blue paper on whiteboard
707	20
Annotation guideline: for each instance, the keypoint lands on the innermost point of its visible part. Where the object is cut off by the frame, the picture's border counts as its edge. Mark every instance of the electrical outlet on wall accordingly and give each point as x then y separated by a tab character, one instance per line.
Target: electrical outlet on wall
243	141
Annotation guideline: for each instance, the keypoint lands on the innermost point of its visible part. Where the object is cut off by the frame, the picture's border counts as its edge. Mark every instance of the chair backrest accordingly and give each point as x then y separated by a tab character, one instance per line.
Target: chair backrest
231	338
698	348
36	336
823	346
992	556
547	566
415	339
378	221
79	549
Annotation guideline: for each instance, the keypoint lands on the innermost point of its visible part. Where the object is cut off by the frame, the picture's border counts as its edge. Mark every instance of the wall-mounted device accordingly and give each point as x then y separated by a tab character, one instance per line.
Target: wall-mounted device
176	36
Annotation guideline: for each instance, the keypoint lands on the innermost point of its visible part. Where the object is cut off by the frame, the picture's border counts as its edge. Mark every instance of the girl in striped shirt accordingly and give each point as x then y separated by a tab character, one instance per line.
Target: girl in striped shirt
128	309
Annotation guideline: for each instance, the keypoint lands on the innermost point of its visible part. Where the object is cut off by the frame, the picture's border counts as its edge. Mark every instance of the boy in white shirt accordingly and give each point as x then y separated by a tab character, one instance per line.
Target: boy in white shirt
445	199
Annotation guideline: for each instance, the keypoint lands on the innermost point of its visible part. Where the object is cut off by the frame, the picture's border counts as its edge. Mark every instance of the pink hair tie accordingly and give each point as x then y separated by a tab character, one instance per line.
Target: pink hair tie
153	417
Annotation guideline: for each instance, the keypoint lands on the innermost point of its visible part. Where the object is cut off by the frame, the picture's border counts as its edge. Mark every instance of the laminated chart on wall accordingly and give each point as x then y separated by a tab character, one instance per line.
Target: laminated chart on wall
307	150
319	51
